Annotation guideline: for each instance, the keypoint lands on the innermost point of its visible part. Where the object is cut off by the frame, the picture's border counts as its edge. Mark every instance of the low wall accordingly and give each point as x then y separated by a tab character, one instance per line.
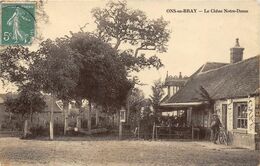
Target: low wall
11	133
243	140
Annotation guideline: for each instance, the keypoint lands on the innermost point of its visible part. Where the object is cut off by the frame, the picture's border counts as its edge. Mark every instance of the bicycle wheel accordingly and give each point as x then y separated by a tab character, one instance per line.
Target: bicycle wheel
225	138
221	138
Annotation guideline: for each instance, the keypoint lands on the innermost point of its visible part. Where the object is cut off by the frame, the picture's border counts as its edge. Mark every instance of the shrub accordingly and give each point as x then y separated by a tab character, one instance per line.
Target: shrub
39	131
58	129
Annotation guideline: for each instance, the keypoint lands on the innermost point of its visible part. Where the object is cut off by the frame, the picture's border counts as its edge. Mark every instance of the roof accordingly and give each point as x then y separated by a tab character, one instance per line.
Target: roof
212	65
48	100
165	99
228	81
175	80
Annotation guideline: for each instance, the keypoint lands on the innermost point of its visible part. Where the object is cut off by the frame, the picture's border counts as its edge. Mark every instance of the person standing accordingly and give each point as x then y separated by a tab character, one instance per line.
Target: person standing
215	127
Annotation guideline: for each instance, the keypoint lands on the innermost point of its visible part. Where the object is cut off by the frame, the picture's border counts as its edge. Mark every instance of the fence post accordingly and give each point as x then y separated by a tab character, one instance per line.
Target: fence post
153	130
120	130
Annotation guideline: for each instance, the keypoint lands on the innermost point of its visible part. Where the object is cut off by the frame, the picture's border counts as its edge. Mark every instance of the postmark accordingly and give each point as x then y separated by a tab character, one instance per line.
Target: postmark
18	23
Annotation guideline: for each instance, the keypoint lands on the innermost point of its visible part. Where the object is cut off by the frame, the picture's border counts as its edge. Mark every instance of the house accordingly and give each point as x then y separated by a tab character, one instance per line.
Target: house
172	85
75	117
43	118
3	114
234	90
38	119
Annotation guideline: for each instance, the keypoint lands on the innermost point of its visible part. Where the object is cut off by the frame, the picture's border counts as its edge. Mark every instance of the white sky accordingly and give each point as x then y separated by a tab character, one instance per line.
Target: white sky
195	38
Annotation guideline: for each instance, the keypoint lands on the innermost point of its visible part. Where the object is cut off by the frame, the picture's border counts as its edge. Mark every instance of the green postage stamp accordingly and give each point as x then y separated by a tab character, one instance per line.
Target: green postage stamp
17	23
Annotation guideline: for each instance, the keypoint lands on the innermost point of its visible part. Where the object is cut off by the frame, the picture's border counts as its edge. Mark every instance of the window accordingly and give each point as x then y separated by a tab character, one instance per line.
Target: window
240	115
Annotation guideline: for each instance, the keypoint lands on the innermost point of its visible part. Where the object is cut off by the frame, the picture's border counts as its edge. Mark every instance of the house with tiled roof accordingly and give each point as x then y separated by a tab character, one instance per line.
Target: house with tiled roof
174	84
234	90
42	119
38	119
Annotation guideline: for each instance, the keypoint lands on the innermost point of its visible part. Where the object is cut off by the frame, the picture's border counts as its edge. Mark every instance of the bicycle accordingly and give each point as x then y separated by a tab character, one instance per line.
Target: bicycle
223	136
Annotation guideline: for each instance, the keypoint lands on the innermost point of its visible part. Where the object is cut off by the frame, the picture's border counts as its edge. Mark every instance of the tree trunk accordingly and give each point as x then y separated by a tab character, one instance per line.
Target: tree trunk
51	119
78	124
65	110
10	116
80	117
97	116
128	106
31	117
89	116
120	130
31	112
153	131
25	131
118	42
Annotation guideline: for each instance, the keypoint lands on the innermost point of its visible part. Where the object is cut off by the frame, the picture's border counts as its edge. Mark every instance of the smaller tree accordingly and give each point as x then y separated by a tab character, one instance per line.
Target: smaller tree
56	71
136	100
28	102
157	94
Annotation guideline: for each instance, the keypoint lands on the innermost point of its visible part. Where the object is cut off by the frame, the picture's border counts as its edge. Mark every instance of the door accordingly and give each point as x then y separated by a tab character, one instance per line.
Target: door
224	115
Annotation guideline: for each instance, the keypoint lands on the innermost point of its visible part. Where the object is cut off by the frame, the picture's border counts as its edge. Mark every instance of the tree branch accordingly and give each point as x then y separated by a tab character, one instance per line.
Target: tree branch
118	42
136	51
142	48
82	28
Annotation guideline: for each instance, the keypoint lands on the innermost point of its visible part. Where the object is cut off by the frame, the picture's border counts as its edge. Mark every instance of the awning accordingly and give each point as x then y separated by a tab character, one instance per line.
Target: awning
181	105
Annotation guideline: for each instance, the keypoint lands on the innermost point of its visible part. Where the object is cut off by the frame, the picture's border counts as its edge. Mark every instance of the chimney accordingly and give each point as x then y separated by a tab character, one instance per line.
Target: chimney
180	76
236	53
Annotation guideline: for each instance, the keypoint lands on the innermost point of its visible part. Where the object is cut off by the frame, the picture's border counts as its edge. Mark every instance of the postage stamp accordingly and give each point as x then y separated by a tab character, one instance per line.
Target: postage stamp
18	23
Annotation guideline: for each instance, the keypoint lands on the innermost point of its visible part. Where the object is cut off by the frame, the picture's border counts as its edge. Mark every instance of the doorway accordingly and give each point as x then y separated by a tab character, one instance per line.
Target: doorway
224	115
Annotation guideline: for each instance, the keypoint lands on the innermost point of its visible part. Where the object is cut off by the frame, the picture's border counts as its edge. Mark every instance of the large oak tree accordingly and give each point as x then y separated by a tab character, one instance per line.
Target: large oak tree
117	23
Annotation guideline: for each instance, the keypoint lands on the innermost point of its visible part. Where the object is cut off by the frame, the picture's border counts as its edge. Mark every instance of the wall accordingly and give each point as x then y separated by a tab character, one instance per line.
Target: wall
239	137
257	122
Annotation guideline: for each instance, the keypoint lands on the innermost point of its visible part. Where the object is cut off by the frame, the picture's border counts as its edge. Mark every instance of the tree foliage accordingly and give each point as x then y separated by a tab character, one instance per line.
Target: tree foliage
79	66
119	24
56	68
157	93
137	99
15	61
27	102
103	78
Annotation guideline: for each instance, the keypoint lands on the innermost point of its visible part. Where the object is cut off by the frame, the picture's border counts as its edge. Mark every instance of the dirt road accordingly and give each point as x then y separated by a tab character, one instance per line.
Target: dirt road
95	151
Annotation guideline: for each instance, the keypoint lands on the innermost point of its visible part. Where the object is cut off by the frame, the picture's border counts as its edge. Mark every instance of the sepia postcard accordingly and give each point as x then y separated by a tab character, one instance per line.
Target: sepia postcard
127	82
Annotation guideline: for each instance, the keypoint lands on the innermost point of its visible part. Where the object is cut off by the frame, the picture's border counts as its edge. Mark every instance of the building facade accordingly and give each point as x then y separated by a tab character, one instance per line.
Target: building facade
229	89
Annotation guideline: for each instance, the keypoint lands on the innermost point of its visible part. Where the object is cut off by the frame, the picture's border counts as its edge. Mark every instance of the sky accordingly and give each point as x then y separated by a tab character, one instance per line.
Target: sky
196	38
